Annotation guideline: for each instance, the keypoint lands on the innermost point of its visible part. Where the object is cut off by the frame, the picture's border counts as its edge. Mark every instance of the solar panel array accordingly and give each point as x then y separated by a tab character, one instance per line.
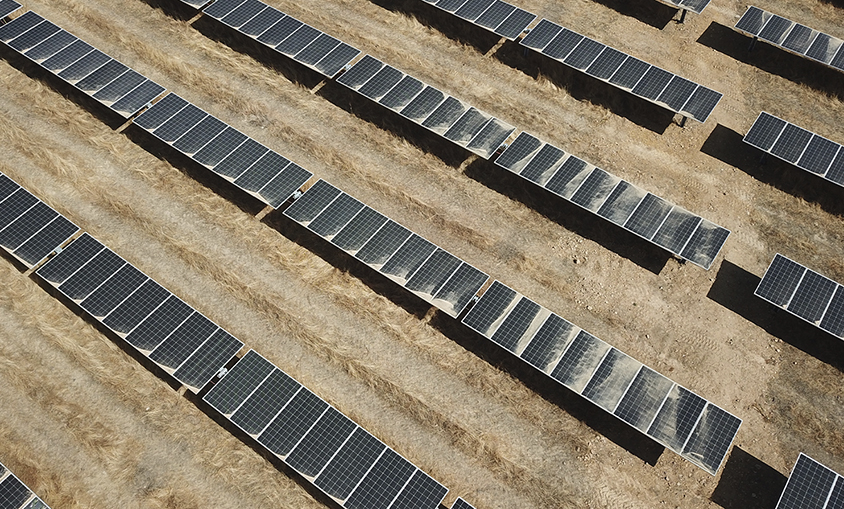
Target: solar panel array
428	271
682	233
327	448
804	293
498	17
696	6
8	7
427	106
78	63
622	70
797	146
223	149
672	415
30	229
15	495
793	37
812	486
188	346
285	34
461	504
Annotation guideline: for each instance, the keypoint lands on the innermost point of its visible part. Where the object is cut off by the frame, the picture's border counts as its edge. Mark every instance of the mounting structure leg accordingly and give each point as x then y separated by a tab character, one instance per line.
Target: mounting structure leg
683	15
683	119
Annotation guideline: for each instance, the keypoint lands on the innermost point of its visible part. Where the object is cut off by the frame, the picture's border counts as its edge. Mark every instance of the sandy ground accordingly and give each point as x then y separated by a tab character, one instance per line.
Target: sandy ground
86	425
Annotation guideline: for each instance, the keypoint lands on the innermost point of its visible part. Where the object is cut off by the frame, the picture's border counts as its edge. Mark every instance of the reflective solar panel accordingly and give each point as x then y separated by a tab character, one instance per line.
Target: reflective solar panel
228	152
696	6
8	7
285	34
792	37
675	417
461	504
76	62
152	320
317	440
804	293
682	233
13	492
499	17
811	485
615	67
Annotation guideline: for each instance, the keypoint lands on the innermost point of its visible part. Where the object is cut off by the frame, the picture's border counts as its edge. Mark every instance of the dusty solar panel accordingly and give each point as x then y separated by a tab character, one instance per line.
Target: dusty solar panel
184	343
286	35
682	233
339	457
499	17
438	112
795	145
804	293
419	266
114	85
29	229
792	37
626	72
14	494
812	485
695	429
227	152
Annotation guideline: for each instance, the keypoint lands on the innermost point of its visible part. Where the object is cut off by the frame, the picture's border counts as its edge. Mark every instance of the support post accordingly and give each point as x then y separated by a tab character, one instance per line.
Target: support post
683	15
683	119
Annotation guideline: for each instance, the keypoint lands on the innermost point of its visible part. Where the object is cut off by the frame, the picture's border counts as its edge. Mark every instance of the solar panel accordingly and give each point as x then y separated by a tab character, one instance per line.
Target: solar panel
339	457
226	151
113	84
696	6
498	17
626	72
416	264
14	494
29	229
461	504
8	7
157	323
680	232
811	485
804	293
792	37
284	34
444	115
795	145
695	429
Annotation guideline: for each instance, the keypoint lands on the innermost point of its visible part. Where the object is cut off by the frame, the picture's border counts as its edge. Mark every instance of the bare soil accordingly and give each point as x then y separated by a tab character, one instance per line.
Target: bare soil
85	425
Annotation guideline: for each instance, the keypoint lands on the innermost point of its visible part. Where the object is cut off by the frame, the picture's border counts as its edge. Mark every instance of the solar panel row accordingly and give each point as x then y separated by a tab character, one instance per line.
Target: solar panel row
499	17
15	495
188	346
285	34
30	229
623	71
78	63
804	293
812	486
797	146
672	415
793	37
223	149
427	106
461	504
682	233
8	7
330	450
431	273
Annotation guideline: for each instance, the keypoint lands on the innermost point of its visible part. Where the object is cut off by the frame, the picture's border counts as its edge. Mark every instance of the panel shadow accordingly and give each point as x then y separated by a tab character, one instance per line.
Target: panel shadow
733	288
773	59
571	217
583	87
747	482
602	422
652	13
727	146
344	262
173	8
446	23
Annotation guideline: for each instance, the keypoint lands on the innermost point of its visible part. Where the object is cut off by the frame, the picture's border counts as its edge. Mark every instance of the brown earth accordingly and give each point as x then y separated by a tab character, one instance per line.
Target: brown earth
85	425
